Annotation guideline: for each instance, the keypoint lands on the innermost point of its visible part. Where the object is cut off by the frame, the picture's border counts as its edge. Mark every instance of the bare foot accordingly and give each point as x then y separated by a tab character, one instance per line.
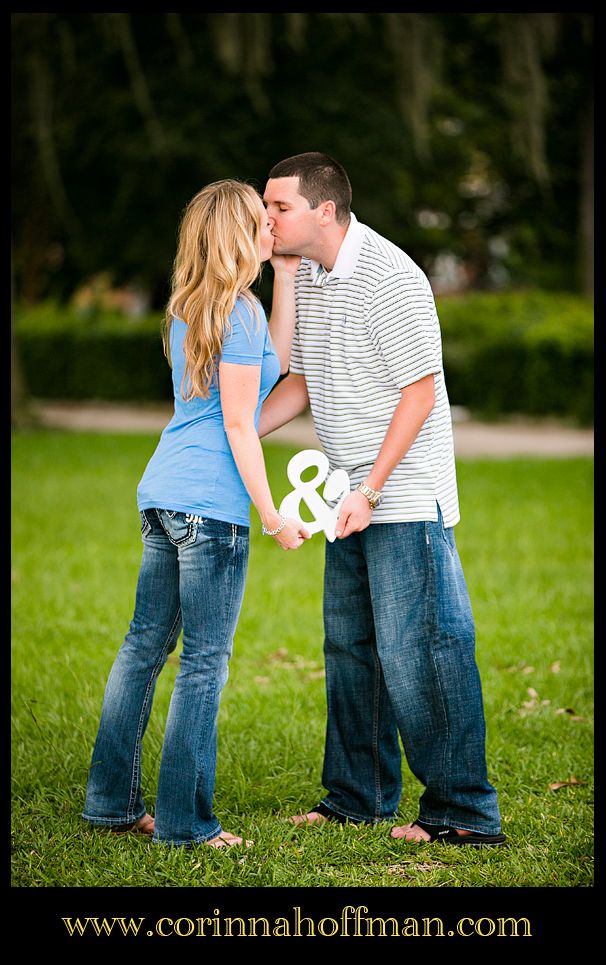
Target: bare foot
312	817
412	832
145	825
227	840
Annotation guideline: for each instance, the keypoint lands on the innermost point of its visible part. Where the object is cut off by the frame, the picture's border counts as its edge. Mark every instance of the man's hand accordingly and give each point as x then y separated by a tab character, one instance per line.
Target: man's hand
355	515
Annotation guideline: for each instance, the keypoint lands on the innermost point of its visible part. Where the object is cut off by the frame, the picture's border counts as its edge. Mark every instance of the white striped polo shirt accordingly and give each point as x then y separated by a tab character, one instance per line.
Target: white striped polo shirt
364	331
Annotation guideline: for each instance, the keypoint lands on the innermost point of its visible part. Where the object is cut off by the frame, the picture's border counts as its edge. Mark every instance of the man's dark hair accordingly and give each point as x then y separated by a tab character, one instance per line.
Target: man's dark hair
321	178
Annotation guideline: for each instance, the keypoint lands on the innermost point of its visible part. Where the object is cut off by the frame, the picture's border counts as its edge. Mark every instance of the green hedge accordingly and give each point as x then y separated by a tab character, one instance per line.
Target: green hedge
527	352
66	355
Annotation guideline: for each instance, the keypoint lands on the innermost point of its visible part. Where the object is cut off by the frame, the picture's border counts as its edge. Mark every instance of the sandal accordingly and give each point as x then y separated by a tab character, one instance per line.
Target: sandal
449	835
324	812
145	825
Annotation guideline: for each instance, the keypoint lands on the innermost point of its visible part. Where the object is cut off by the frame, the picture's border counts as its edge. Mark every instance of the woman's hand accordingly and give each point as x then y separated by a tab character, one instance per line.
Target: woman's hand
283	309
287	263
292	536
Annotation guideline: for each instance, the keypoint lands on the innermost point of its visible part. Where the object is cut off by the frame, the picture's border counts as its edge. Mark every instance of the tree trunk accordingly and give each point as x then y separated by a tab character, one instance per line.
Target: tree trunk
586	215
22	416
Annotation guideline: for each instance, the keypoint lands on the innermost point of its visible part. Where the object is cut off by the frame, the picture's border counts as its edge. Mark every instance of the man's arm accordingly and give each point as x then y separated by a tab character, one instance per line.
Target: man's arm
288	399
411	412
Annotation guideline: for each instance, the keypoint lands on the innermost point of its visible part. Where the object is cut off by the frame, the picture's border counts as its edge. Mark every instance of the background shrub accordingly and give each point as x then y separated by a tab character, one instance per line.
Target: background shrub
525	352
528	352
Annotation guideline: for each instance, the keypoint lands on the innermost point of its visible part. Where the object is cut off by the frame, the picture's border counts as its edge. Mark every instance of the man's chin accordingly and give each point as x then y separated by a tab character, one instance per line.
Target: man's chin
280	249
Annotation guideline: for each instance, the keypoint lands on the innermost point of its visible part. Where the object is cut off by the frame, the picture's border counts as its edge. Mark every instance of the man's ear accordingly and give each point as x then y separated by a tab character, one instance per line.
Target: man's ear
327	212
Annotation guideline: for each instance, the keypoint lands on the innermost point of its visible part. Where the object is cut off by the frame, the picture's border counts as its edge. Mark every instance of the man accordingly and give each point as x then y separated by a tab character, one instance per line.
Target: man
399	631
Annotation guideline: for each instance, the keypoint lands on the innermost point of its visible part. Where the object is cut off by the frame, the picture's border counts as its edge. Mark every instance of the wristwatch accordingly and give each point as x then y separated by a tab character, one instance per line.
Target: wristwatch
373	497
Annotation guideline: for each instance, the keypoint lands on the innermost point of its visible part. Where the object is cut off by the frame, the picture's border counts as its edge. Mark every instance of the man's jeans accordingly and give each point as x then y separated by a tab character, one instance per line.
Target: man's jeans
400	657
192	575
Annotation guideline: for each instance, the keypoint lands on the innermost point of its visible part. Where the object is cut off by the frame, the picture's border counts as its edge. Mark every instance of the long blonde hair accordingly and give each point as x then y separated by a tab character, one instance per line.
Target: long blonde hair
218	259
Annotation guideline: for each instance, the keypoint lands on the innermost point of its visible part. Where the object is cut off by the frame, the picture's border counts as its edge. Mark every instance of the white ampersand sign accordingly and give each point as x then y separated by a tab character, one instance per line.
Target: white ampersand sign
336	487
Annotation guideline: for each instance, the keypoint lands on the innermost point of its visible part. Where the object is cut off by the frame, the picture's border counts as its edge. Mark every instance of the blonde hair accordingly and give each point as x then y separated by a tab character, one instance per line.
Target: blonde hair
218	259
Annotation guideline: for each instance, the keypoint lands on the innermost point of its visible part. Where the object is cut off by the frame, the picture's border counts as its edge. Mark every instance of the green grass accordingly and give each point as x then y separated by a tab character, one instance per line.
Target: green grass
526	544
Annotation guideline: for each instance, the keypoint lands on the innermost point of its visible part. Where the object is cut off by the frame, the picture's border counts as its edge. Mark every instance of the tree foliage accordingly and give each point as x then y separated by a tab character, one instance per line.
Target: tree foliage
467	134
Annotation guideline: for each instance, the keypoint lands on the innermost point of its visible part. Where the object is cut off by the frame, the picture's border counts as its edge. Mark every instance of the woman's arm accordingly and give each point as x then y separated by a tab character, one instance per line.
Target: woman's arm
239	390
282	318
288	399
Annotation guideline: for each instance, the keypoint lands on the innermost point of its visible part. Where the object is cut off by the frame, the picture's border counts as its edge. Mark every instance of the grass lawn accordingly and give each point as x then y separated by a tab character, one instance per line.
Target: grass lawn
526	544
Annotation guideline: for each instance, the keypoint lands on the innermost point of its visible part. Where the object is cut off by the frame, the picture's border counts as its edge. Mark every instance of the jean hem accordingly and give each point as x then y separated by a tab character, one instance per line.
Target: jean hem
112	822
188	842
357	818
460	825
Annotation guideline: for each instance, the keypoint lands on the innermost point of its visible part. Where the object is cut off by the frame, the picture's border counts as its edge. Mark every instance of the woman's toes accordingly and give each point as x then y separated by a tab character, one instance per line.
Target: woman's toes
145	824
227	840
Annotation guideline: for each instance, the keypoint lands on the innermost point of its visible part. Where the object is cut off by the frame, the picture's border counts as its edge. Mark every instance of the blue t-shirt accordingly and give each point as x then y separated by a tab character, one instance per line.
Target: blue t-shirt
193	469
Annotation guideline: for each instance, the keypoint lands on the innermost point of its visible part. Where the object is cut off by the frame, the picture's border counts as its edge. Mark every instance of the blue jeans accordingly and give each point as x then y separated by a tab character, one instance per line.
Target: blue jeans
192	576
400	659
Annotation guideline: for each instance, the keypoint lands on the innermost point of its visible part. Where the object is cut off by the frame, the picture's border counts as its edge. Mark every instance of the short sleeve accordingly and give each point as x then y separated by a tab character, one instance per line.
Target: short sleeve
296	359
403	325
245	343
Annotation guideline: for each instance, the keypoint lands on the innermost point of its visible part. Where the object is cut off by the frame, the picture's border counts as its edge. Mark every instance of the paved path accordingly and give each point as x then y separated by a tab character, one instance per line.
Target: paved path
472	439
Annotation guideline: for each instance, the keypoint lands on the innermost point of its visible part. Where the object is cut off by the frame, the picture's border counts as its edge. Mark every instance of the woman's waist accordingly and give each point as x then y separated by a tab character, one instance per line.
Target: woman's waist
202	434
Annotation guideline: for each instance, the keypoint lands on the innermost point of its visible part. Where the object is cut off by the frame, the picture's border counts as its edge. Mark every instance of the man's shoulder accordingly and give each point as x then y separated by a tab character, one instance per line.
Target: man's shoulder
387	258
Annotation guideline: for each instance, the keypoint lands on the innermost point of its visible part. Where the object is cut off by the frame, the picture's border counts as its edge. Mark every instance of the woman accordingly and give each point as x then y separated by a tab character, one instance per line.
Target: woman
194	502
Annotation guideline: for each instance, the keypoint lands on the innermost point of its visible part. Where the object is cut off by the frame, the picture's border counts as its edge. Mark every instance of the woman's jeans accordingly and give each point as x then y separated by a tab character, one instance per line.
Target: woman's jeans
192	575
400	658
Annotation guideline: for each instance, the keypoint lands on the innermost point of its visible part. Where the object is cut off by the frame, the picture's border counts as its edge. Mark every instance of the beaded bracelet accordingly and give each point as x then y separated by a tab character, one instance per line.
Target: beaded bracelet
274	532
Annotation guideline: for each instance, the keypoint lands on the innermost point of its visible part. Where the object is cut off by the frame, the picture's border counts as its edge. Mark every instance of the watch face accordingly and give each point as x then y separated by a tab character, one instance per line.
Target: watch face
373	498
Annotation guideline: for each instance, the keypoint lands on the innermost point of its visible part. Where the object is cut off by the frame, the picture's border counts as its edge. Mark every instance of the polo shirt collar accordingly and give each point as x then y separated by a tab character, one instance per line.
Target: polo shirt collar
347	257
